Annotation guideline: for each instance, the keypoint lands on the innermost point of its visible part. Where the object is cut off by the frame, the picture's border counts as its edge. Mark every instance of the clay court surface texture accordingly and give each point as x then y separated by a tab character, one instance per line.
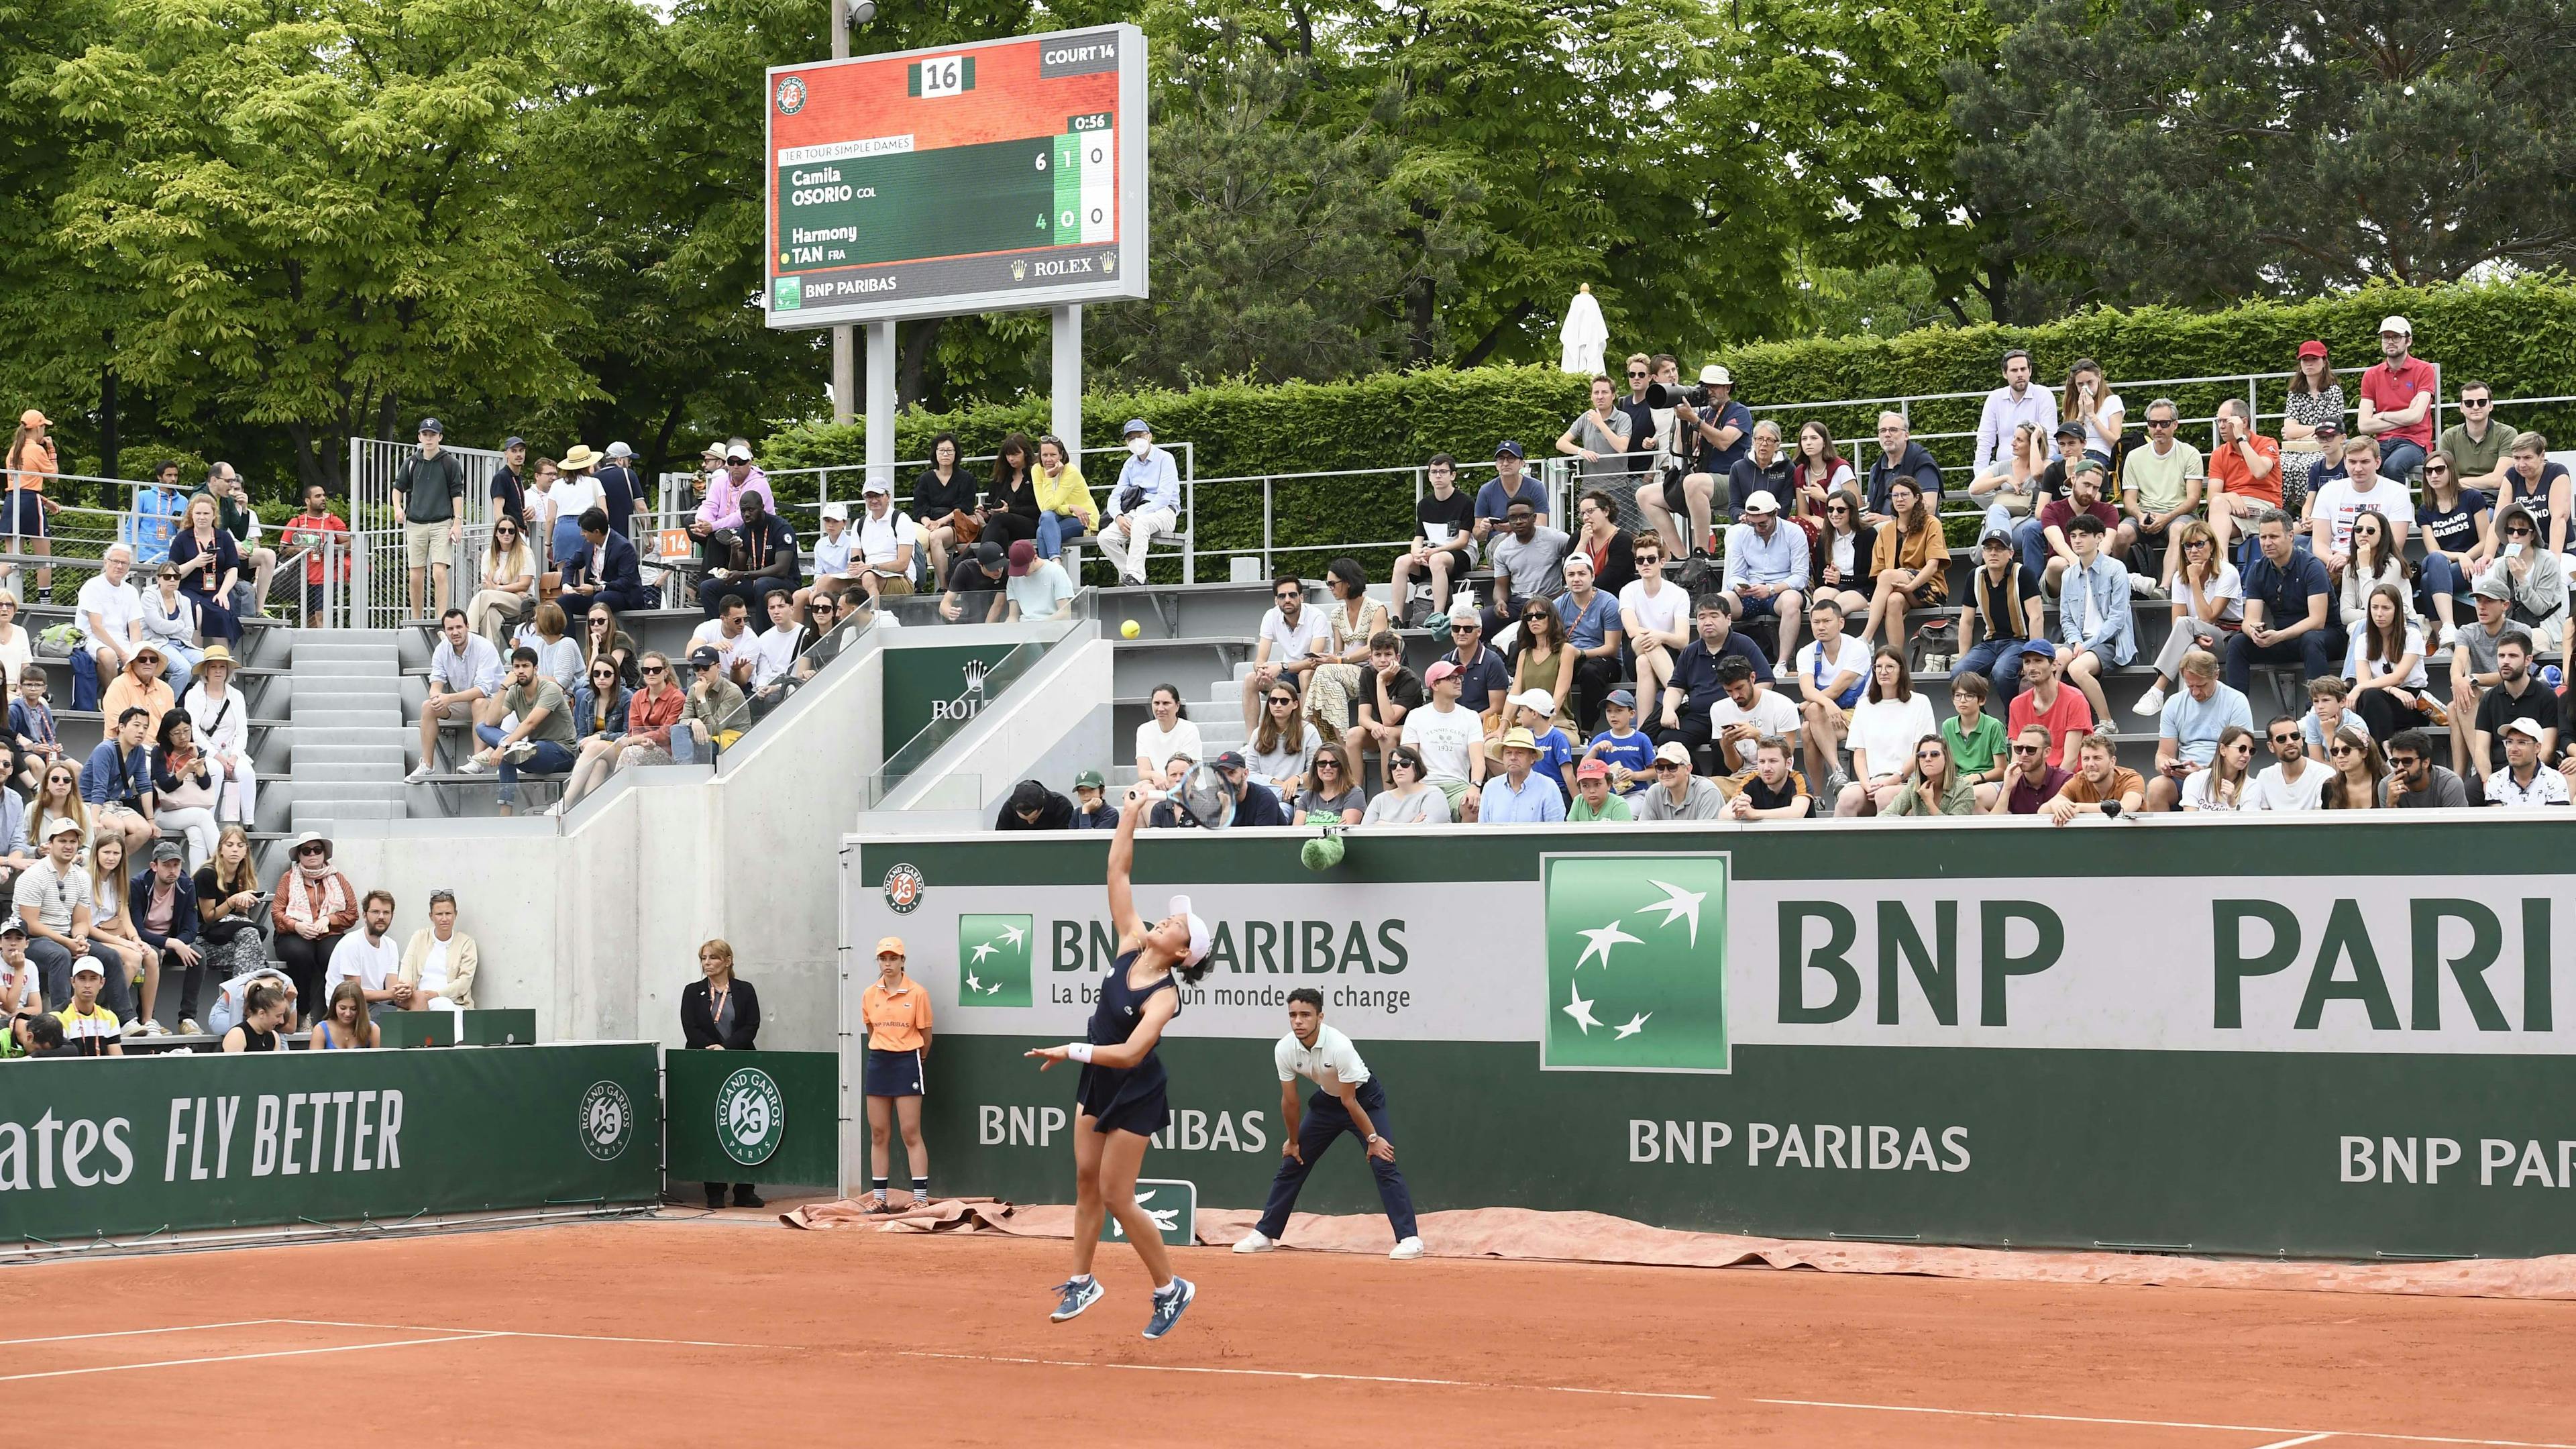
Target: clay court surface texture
731	1329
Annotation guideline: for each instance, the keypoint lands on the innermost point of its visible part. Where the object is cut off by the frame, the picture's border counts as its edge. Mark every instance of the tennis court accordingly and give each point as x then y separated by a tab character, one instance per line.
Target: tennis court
731	1329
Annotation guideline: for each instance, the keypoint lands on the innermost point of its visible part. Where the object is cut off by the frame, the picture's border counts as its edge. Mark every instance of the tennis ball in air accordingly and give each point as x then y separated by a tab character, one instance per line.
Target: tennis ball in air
1321	853
1129	630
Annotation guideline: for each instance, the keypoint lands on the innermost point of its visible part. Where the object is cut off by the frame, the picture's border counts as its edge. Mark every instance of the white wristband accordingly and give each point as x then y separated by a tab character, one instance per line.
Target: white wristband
1079	1051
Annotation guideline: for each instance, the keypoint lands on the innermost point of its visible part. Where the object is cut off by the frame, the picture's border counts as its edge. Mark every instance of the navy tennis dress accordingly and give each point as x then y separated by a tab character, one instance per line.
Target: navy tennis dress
1127	1099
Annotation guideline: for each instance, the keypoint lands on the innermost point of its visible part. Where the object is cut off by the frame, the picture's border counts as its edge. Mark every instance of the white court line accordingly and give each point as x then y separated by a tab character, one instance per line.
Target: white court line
136	1332
512	1333
118	1368
2314	1435
1167	1368
2294	1443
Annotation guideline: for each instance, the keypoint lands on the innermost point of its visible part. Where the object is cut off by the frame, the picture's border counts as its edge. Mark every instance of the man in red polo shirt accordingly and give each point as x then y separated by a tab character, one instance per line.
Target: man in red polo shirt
2397	402
2060	709
2244	472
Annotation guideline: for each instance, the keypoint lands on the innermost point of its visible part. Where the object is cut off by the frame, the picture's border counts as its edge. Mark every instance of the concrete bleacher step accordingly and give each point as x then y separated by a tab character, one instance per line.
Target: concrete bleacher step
347	711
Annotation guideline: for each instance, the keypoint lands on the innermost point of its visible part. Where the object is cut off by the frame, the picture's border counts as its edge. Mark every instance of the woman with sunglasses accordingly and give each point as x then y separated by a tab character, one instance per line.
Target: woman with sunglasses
2375	561
2315	401
599	710
311	907
1844	546
2536	576
208	564
601	638
1540	657
2539	486
2224	784
2386	665
2357	778
1408	798
509	582
170	621
1283	744
1351	620
2453	521
1331	788
2208	605
1934	786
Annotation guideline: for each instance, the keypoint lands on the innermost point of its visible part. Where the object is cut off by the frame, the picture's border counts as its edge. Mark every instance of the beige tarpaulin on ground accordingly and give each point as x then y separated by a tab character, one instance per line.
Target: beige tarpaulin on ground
1598	1238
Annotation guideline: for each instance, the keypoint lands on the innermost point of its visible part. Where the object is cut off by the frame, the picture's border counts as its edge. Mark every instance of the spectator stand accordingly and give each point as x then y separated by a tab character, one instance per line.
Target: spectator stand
380	589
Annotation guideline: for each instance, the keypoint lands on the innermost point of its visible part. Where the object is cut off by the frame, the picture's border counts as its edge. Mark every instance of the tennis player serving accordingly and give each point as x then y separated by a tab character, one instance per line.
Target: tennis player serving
1121	1100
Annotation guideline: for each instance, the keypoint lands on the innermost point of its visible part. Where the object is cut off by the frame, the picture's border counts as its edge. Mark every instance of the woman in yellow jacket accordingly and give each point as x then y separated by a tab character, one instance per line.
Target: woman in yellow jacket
1065	509
1908	564
438	965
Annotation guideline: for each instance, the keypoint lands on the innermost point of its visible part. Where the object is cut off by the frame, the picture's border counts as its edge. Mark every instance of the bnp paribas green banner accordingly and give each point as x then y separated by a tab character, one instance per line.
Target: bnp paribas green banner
2222	1036
186	1143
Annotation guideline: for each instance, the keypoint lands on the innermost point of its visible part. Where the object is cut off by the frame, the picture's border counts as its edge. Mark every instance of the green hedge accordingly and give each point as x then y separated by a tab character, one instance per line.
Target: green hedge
2519	336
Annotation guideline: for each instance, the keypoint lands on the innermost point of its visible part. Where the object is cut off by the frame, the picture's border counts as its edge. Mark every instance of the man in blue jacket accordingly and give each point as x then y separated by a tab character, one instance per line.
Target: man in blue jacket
604	567
163	902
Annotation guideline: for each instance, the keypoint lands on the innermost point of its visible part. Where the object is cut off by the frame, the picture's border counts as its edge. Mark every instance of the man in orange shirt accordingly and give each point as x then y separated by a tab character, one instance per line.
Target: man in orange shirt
2103	783
896	1009
2244	472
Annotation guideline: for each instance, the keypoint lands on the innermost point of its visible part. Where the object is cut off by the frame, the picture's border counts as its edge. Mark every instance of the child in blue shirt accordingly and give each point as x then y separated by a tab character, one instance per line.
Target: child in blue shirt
1623	746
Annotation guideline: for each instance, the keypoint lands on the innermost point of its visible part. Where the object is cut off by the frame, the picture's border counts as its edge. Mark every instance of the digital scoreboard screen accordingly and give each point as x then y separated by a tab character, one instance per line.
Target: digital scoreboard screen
1004	174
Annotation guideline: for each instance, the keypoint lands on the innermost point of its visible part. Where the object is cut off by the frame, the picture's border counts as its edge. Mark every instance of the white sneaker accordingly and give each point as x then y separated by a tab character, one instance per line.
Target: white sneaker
2151	702
2449	636
519	753
471	765
1407	1250
423	772
1254	1242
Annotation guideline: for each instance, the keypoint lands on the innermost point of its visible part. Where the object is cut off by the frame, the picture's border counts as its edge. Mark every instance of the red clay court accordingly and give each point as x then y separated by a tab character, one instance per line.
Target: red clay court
734	1330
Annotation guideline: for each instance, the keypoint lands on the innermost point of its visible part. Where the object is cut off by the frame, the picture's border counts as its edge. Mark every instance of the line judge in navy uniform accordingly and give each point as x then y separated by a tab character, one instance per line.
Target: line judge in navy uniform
1347	1099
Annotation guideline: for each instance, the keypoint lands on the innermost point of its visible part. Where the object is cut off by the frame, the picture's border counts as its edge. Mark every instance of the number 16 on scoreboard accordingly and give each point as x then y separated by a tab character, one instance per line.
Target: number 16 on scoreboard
1086	193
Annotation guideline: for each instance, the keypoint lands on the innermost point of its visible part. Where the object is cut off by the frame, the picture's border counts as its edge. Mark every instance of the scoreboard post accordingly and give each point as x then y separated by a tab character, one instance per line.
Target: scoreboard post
998	175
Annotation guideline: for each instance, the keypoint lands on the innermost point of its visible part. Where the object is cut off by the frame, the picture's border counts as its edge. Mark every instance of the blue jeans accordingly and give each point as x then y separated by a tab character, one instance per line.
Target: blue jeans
1326	1119
2398	458
550	759
2439	576
1055	530
2000	661
2319	652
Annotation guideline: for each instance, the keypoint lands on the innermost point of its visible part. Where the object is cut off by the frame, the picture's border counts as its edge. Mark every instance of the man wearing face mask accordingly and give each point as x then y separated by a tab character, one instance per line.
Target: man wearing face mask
1146	501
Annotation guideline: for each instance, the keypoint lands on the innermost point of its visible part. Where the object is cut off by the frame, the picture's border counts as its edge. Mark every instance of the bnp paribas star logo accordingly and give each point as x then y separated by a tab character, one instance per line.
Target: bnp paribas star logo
993	960
1636	963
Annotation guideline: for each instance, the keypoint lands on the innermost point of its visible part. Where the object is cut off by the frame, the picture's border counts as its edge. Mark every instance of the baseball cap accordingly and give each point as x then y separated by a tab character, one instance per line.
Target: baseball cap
988	553
890	946
1761	502
34	419
1228	760
513	441
2493	586
877	485
2071	429
2040	646
1438	672
1089	780
1510	449
1200	939
432	425
87	966
13	927
2312	348
1517	738
1672	752
1716	376
1537	699
2394	323
703	656
839	511
57	827
167	850
2330	425
2527	726
1996	535
1622	698
1593	769
1024	556
737	455
1135	426
620	450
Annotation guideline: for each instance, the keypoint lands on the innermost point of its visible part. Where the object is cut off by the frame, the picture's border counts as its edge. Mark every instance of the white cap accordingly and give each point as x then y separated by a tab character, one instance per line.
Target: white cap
1200	940
620	450
58	825
1761	502
876	485
1537	699
2394	323
840	511
1716	376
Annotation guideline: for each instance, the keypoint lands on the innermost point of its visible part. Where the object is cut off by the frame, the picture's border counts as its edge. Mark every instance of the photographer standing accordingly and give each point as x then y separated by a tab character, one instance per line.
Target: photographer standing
1711	433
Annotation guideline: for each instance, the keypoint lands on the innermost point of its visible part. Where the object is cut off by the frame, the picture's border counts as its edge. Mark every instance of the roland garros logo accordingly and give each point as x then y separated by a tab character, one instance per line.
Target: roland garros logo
903	887
791	96
751	1116
607	1120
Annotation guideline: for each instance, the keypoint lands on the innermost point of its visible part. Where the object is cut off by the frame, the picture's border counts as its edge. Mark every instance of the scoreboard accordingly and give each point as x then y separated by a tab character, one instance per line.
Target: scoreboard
970	178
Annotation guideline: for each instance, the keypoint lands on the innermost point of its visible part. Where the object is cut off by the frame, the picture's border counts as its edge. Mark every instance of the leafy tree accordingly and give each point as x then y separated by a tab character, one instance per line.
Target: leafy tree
2195	153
